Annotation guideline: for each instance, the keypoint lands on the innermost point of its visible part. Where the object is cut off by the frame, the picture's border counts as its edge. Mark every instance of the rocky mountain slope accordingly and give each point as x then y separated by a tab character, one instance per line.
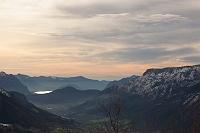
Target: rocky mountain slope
123	84
11	83
165	82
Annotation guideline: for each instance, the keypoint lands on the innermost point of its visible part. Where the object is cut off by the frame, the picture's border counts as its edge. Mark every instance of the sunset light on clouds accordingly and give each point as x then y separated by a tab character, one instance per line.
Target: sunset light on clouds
102	39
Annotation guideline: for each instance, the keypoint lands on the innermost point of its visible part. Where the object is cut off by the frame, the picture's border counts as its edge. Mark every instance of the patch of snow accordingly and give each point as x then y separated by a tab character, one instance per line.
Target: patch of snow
3	92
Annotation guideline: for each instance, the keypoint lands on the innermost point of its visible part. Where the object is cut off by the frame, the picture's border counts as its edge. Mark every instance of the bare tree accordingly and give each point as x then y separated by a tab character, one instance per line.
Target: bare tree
113	110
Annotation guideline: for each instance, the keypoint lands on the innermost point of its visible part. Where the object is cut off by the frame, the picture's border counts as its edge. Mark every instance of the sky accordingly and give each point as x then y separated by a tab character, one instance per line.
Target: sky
101	39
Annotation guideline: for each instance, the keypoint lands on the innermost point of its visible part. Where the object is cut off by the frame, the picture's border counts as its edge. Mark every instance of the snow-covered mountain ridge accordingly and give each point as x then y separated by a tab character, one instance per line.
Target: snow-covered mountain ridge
166	81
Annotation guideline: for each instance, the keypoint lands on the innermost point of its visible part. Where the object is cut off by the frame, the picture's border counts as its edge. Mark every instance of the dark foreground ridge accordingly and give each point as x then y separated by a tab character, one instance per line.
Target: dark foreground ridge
17	113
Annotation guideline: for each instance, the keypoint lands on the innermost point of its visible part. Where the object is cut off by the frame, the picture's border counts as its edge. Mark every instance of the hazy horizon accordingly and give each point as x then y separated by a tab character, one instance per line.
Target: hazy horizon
98	39
95	78
68	76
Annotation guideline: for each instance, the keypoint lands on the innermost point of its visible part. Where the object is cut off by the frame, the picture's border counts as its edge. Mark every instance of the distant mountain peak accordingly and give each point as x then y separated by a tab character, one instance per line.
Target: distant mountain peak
66	89
3	74
82	77
22	75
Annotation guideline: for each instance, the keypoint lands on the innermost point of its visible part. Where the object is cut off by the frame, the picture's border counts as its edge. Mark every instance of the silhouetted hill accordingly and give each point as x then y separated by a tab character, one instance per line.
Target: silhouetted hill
60	100
64	95
16	110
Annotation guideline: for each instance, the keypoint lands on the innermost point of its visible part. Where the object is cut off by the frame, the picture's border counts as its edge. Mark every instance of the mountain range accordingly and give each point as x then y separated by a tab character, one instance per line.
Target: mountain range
50	83
157	100
165	100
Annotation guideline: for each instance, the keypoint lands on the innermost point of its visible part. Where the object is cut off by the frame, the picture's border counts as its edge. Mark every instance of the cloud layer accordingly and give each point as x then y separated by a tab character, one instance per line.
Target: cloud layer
110	35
